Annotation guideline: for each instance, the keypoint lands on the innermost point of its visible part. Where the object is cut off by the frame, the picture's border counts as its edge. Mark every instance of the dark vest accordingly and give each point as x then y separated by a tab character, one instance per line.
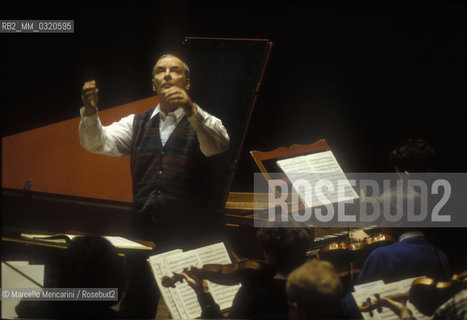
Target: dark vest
170	179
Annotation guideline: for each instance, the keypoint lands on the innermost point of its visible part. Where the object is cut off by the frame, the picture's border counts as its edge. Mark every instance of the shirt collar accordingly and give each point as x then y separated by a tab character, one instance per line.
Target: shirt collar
178	113
411	234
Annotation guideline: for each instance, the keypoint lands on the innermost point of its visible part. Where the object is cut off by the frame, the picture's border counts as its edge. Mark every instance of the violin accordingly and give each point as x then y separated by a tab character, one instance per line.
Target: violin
426	294
370	305
461	277
227	274
349	250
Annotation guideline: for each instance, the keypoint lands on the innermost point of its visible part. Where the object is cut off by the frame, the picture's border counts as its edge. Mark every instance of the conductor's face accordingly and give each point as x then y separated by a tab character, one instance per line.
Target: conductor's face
168	72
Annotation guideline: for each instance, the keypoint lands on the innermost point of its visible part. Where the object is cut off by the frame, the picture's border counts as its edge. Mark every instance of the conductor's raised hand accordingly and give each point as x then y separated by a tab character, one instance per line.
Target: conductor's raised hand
90	97
178	97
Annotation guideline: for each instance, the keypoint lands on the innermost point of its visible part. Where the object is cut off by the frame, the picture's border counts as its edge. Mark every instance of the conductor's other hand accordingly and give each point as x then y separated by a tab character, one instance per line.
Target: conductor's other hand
178	97
89	96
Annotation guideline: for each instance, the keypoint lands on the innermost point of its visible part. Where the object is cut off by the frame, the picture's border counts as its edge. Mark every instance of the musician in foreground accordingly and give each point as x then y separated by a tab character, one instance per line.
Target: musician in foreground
314	291
453	309
262	296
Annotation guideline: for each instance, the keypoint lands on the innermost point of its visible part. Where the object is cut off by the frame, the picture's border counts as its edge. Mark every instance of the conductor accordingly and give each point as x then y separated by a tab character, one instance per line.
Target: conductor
169	146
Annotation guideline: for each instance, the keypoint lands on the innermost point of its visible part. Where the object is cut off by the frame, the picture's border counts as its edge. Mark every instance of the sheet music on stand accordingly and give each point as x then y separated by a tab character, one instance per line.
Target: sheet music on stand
369	290
315	168
182	301
307	163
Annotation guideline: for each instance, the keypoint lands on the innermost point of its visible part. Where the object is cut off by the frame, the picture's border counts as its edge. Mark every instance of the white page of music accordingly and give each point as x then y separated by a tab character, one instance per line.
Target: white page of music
189	301
121	242
298	169
11	278
160	269
398	287
313	168
217	253
182	300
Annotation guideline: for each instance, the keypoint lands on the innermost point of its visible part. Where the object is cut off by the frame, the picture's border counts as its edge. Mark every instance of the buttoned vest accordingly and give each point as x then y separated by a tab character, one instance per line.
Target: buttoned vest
169	179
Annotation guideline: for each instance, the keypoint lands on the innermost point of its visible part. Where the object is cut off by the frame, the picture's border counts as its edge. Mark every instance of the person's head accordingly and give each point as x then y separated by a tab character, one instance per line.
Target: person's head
314	291
92	262
413	155
285	248
169	71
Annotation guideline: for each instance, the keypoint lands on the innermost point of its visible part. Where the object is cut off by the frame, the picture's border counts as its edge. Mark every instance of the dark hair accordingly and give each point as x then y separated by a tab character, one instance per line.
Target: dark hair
413	155
88	262
287	245
92	262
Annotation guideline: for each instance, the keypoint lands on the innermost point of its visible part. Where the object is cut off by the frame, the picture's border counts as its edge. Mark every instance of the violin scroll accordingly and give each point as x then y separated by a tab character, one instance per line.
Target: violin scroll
228	274
370	305
169	282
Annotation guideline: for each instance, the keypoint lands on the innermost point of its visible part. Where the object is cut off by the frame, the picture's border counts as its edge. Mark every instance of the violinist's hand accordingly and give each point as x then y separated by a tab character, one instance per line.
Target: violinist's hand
89	97
199	285
398	308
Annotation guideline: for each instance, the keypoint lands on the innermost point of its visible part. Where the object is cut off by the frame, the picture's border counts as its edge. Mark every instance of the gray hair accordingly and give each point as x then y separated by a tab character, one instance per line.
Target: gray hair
185	66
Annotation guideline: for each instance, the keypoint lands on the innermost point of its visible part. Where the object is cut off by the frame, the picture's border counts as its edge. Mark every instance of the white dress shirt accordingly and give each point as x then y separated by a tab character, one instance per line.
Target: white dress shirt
115	139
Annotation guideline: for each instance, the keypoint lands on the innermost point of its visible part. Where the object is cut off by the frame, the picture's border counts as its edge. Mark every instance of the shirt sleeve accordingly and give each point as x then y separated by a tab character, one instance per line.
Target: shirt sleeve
212	135
112	140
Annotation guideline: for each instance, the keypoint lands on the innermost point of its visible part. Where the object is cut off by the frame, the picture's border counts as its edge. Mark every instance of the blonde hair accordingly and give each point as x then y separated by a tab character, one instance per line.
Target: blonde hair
316	288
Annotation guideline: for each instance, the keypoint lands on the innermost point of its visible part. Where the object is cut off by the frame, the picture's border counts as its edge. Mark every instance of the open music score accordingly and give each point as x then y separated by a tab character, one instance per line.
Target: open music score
310	163
369	291
181	300
64	239
314	168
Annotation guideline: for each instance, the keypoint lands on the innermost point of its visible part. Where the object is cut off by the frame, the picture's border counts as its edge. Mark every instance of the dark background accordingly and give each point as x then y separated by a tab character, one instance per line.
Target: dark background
364	75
